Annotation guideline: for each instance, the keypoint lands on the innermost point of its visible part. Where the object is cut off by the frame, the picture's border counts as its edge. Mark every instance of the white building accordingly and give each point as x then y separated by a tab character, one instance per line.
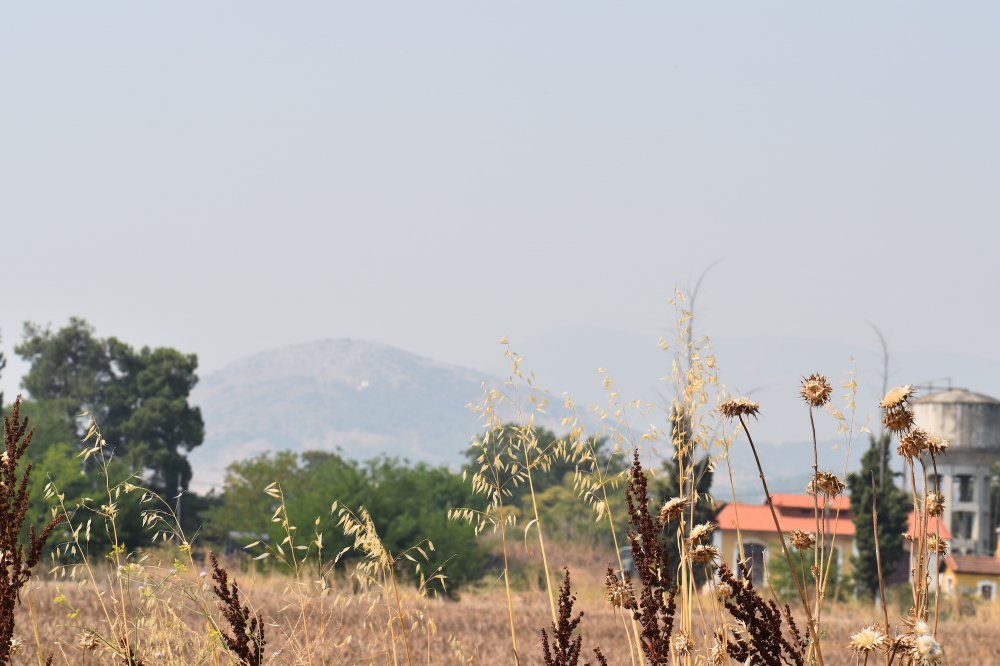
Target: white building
971	423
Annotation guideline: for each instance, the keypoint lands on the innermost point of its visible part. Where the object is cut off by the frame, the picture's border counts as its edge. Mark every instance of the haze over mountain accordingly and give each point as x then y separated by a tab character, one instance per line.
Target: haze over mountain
363	398
366	398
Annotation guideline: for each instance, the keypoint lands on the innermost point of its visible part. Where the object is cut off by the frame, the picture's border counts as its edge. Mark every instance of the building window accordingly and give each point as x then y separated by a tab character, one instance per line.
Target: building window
962	523
964	488
754	554
986	590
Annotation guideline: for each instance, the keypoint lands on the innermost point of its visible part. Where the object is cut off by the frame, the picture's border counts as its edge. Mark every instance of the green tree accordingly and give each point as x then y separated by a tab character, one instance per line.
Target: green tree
893	507
139	398
69	367
407	503
779	576
148	413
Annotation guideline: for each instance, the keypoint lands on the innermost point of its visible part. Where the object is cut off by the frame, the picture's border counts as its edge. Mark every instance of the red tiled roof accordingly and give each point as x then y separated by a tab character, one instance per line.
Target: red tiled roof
806	502
757	518
934	526
973	564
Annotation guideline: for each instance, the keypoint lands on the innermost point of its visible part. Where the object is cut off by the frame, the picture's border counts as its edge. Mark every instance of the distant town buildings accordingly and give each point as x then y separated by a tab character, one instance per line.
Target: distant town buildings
971	424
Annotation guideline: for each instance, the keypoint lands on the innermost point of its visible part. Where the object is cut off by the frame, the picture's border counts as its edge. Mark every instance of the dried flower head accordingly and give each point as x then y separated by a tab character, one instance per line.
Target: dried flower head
816	390
937	446
618	591
673	509
935	544
897	397
718	656
934	503
826	483
913	443
923	649
699	532
867	640
682	643
724	590
735	407
801	540
89	640
898	420
704	554
16	645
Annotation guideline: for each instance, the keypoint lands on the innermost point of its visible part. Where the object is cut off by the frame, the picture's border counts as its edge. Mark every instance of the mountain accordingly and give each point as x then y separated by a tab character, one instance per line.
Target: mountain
360	397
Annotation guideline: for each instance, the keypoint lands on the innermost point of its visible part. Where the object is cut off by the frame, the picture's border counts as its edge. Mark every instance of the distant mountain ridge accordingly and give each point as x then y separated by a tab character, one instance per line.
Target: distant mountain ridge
361	397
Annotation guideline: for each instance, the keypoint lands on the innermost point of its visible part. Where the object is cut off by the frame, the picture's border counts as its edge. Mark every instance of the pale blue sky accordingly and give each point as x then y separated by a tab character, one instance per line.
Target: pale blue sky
229	177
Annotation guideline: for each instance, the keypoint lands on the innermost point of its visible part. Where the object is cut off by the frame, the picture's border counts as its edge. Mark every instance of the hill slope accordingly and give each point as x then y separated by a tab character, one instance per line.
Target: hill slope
362	397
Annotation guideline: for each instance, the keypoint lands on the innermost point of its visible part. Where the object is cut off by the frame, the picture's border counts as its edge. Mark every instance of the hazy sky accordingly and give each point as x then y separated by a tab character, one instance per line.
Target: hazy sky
229	177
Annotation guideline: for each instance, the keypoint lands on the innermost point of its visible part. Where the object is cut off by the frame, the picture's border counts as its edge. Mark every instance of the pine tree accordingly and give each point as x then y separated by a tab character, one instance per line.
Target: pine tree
892	505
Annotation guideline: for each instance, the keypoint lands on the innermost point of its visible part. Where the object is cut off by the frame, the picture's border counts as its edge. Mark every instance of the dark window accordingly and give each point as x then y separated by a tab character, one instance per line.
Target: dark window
986	591
962	523
964	488
754	553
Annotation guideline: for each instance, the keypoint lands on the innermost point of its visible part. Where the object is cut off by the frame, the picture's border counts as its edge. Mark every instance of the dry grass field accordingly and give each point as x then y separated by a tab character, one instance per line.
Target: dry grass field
683	606
358	628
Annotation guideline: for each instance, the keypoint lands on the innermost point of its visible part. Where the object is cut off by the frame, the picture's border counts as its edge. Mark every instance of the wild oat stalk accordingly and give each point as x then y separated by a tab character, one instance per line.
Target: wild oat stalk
18	559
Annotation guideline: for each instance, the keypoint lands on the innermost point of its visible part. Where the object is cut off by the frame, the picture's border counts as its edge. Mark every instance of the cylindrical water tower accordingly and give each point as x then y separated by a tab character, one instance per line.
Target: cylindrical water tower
971	423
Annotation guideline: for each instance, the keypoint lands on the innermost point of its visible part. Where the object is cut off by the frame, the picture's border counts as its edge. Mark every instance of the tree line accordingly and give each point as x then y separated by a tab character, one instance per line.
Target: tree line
141	400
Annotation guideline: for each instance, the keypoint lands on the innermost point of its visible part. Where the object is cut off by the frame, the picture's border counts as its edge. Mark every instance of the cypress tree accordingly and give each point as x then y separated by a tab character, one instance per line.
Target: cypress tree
892	505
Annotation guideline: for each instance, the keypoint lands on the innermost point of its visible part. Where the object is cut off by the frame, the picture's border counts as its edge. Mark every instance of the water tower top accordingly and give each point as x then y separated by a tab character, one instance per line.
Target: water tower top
970	421
957	397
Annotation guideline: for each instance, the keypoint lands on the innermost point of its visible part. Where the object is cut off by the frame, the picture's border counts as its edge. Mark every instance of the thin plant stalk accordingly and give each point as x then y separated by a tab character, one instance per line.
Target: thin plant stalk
784	549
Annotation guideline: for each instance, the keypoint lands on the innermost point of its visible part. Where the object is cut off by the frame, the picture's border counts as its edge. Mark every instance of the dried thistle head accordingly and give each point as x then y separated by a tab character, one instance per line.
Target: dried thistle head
826	483
699	532
801	540
936	445
898	420
934	503
618	591
718	656
926	651
919	645
673	509
704	554
682	643
736	407
724	591
912	443
868	640
89	640
816	390
935	544
897	397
